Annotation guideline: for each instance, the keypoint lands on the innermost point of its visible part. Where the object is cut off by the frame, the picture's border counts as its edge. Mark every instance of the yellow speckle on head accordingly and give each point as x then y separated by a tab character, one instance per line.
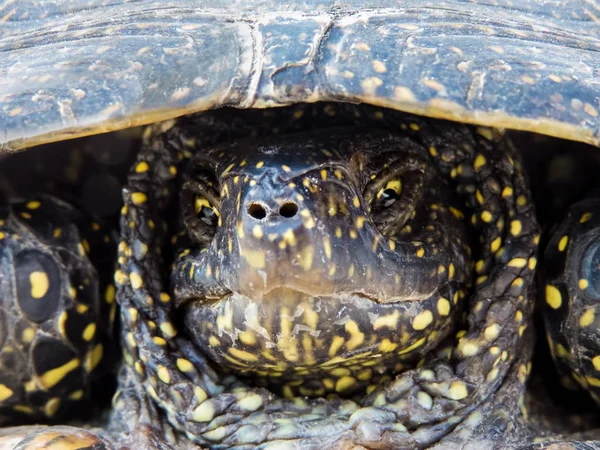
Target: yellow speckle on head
247	337
39	284
33	204
139	198
420	252
257	231
286	168
305	258
585	217
587	318
583	284
260	164
164	297
255	258
596	363
486	216
553	296
422	320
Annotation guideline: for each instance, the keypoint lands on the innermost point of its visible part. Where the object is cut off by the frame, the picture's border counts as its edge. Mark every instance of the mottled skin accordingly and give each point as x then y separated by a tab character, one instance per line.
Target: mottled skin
430	387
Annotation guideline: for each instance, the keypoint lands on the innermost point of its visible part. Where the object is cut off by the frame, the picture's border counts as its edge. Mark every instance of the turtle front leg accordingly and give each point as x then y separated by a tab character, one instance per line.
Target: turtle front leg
59	437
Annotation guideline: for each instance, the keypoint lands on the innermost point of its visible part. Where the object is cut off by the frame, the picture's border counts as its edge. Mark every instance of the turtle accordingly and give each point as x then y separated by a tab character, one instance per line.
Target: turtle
411	337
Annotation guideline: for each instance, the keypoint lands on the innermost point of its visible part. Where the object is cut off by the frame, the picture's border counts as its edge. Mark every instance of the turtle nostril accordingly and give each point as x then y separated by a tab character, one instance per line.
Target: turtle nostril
257	211
288	209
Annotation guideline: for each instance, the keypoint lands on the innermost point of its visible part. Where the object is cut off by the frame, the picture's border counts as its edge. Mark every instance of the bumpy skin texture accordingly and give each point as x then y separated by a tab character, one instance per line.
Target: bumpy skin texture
415	409
55	328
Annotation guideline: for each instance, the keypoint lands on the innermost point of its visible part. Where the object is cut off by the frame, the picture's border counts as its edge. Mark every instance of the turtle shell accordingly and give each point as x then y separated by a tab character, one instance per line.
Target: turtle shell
89	66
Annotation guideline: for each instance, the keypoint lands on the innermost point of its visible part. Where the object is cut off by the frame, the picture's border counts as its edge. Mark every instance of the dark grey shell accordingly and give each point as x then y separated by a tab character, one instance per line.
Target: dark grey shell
86	66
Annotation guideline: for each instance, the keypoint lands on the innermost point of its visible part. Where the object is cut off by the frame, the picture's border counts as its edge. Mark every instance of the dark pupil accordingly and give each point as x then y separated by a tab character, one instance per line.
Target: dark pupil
389	197
207	215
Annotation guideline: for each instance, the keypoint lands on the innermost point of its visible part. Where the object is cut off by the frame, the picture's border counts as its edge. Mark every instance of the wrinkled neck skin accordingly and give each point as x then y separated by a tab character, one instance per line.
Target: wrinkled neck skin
312	280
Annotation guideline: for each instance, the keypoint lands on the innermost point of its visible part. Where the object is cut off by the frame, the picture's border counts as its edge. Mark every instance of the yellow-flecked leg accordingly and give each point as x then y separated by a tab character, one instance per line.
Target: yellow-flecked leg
37	437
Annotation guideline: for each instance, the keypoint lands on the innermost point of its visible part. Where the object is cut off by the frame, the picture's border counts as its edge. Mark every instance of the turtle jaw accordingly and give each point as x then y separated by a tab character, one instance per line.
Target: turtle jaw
300	344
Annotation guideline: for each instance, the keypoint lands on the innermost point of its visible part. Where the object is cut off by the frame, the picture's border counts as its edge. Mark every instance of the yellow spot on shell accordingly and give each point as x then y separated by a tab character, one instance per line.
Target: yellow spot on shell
53	376
553	296
583	284
596	363
422	320
585	217
39	284
5	392
34	204
27	335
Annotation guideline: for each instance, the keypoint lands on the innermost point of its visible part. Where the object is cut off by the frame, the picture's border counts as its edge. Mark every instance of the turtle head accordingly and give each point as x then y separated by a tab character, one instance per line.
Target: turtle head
316	250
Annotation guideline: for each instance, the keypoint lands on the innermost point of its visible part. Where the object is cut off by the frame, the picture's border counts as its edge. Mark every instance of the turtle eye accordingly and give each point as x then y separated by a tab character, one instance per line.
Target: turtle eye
205	211
389	194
